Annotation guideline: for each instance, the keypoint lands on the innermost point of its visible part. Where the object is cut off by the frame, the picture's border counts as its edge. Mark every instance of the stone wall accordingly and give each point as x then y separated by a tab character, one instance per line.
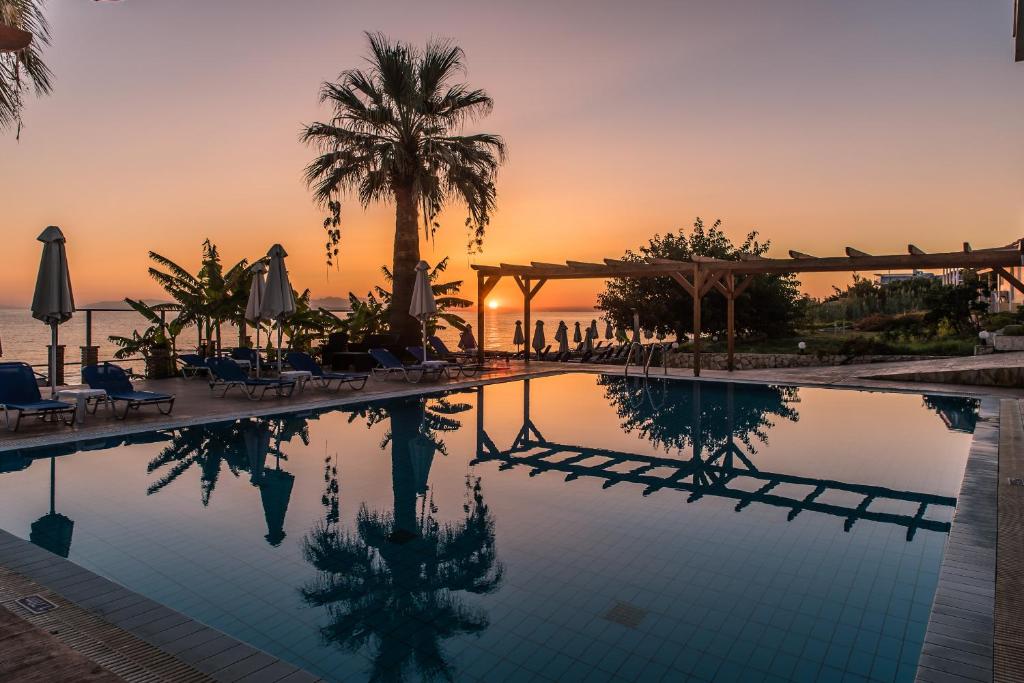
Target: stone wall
763	361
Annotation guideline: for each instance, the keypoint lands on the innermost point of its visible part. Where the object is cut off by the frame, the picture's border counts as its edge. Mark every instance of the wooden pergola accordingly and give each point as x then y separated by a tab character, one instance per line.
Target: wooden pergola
700	275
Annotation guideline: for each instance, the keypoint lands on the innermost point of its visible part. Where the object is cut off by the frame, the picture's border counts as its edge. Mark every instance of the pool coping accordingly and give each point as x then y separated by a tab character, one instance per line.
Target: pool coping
958	643
88	605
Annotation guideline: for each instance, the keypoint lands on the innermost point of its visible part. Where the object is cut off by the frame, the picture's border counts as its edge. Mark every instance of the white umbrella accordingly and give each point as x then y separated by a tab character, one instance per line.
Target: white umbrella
577	335
278	298
609	333
253	311
53	302
538	337
518	339
423	306
562	337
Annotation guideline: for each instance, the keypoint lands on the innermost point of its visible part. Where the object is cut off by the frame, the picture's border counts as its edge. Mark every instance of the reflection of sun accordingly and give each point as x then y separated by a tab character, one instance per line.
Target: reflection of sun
492	304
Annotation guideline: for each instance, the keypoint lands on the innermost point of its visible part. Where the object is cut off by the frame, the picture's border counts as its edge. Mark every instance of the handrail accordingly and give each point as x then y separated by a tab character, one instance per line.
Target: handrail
629	356
661	346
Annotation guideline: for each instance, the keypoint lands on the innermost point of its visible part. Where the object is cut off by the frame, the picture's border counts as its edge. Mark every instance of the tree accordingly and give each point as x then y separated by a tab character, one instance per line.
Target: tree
208	298
24	69
369	315
769	306
959	306
396	136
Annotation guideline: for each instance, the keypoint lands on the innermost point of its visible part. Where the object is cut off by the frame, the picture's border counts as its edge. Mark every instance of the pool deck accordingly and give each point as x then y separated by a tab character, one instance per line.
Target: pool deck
975	632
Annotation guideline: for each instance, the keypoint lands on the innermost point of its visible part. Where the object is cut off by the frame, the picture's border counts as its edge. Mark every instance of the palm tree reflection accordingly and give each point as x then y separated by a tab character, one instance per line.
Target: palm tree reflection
393	583
240	446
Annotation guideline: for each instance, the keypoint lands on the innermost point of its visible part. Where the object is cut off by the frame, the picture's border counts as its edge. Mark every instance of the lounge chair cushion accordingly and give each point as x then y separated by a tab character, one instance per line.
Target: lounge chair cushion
146	396
44	404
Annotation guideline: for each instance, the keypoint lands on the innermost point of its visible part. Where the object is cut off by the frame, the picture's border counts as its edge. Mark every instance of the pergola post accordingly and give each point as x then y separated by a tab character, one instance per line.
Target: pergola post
730	319
525	286
480	308
698	284
484	285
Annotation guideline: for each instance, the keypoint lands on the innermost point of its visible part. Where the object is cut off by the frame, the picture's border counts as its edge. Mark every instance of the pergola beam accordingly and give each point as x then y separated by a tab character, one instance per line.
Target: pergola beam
974	258
699	275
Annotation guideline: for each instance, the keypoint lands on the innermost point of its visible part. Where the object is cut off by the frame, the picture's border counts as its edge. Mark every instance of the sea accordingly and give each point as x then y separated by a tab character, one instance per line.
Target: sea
23	338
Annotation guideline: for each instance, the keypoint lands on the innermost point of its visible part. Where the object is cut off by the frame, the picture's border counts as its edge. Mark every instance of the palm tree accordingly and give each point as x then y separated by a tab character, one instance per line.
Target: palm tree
208	298
24	68
396	136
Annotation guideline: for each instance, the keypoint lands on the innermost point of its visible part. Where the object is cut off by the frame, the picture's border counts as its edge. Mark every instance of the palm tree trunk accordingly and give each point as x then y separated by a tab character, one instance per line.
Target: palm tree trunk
406	256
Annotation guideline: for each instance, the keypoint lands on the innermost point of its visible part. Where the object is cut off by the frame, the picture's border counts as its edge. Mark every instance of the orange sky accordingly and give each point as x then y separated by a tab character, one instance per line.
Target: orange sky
820	123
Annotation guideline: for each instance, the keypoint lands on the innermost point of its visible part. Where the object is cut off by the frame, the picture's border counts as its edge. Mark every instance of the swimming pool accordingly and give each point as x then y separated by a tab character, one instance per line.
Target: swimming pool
576	527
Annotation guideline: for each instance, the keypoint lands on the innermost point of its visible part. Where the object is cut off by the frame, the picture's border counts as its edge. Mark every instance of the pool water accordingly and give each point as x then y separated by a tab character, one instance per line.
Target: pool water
577	527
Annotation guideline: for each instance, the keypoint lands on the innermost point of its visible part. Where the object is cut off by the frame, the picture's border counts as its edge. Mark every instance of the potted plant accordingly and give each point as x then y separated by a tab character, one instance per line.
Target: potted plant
155	344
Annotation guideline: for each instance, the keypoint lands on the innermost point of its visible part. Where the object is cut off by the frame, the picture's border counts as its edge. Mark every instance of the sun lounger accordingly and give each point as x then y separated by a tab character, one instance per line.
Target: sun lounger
388	365
114	380
192	365
472	355
19	394
452	369
323	379
226	373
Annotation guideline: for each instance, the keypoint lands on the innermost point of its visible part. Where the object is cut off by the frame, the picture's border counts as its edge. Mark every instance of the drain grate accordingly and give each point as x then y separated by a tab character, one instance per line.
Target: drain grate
625	614
36	604
1015	481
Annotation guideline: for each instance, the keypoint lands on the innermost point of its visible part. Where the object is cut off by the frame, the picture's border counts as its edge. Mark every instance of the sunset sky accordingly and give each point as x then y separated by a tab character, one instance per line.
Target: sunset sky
821	123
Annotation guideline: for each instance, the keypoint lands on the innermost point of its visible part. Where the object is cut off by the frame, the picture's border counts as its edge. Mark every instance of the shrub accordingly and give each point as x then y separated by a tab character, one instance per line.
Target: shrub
1013	331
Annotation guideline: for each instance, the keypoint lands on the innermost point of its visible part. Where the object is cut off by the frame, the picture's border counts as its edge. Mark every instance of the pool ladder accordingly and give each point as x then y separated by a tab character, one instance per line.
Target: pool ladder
662	347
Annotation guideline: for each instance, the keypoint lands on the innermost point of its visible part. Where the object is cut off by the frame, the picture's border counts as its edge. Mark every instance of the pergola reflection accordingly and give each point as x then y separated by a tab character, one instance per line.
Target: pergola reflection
720	465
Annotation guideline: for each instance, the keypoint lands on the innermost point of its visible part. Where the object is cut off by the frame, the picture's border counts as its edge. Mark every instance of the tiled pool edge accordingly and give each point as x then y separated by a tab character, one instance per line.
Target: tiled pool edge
197	646
958	644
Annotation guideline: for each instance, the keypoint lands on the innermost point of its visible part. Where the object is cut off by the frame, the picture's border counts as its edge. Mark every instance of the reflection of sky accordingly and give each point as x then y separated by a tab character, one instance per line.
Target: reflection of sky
569	549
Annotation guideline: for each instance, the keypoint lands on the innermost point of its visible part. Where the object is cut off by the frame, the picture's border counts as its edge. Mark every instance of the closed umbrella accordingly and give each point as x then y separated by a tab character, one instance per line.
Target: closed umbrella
423	306
577	335
620	336
609	333
467	341
593	329
53	302
538	337
562	337
588	342
253	309
518	339
278	298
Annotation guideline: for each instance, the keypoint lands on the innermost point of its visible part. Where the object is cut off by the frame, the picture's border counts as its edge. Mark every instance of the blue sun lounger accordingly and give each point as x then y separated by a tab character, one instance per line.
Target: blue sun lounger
192	365
451	369
389	365
226	373
19	394
303	361
114	380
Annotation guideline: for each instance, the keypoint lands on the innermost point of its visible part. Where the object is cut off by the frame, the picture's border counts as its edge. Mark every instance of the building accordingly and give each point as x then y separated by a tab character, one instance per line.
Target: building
890	278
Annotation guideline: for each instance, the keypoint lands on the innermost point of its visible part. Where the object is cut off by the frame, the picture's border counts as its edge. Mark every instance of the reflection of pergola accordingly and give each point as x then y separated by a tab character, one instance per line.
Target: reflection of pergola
701	475
700	275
